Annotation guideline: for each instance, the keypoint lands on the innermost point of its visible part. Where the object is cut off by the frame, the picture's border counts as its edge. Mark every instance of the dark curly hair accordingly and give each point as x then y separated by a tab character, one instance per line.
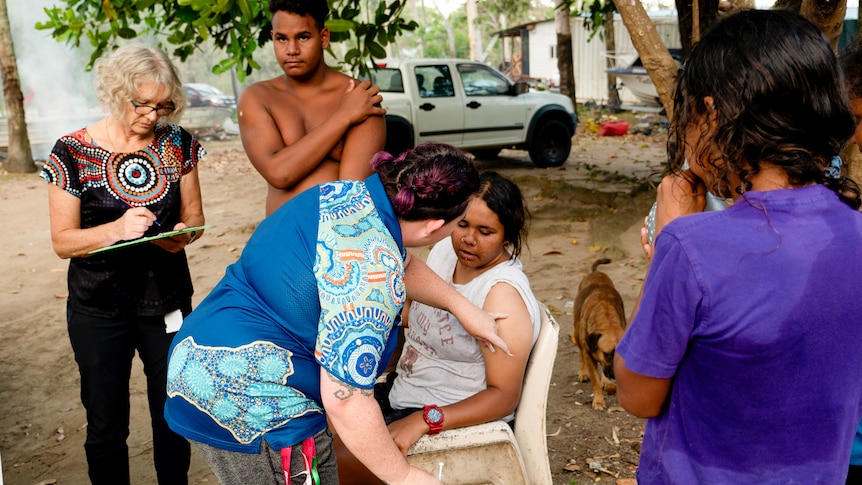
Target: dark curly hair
851	65
504	198
778	99
316	9
431	181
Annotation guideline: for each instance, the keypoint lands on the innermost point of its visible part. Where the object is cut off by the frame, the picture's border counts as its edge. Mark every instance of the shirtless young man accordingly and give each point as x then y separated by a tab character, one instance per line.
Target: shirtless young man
313	124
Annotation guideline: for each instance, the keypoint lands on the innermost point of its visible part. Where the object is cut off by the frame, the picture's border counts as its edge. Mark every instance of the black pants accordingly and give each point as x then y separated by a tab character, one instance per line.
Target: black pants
104	349
854	475
381	394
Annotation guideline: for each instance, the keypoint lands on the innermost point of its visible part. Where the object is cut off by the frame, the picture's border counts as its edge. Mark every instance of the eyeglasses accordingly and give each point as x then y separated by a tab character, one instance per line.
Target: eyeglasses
143	109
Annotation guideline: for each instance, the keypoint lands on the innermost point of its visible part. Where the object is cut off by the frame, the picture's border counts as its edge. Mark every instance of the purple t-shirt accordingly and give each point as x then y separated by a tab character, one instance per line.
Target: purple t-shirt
755	313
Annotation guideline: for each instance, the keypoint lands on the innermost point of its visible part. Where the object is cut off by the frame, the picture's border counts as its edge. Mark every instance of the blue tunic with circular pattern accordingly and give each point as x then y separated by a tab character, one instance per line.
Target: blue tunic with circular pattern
320	284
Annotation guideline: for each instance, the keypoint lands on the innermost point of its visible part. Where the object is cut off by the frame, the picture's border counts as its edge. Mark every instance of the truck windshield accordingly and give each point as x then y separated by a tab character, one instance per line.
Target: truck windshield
388	80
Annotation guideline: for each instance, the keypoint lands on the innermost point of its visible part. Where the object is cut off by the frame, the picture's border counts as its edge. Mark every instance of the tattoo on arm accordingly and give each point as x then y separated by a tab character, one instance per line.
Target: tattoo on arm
345	390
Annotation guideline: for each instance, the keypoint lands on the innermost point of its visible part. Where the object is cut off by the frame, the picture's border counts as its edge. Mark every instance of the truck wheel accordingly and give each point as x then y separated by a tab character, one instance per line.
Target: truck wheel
486	153
398	140
550	145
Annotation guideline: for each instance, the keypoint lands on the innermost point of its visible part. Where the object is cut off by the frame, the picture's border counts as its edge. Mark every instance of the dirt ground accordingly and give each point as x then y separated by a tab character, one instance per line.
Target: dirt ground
590	208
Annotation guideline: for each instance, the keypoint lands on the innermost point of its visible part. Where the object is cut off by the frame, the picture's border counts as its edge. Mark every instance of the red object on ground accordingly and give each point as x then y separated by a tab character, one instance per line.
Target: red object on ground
613	128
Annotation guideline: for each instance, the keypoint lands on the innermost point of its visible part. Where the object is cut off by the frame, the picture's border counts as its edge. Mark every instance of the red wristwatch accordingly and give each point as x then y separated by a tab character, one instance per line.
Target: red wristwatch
434	417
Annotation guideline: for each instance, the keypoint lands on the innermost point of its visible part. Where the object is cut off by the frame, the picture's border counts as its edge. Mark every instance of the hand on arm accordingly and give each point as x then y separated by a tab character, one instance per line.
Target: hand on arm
424	286
70	240
504	374
285	153
358	421
363	140
360	100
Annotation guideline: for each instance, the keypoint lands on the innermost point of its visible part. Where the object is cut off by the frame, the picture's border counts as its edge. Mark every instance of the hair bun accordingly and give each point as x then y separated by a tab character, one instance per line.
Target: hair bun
380	158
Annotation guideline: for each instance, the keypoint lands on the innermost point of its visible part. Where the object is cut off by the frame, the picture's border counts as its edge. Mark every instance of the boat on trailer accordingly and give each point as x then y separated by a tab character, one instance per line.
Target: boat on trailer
635	78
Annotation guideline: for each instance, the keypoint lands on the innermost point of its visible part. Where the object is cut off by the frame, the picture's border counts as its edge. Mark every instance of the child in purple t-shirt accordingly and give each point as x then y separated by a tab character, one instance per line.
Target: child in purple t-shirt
744	348
851	67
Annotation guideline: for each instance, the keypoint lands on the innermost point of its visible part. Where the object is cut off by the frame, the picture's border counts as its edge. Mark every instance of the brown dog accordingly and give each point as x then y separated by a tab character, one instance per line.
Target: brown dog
599	325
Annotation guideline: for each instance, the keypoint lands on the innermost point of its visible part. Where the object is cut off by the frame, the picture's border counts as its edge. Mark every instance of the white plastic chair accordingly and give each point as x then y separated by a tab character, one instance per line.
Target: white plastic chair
491	453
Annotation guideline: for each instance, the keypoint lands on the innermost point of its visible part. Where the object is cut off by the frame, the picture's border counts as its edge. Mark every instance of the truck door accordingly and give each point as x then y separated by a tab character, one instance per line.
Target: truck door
492	116
439	113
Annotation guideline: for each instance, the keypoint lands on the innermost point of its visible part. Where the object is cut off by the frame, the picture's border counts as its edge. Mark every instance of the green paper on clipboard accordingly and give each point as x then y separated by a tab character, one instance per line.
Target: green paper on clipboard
149	238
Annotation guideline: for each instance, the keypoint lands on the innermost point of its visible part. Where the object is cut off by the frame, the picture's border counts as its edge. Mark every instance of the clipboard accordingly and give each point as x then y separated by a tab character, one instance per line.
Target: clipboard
160	235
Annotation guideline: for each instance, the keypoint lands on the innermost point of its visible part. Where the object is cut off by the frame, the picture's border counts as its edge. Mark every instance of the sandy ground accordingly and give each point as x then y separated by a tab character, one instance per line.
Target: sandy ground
590	208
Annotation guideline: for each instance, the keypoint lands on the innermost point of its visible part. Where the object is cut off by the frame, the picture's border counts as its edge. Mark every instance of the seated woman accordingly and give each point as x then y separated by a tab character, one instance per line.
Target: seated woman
444	378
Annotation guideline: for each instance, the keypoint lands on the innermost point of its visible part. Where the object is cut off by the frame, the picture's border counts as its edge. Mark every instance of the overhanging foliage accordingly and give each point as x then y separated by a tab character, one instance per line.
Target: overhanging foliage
237	27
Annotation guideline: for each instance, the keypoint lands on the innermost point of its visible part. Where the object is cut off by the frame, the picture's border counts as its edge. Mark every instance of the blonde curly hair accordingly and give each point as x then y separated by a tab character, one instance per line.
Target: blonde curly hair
119	75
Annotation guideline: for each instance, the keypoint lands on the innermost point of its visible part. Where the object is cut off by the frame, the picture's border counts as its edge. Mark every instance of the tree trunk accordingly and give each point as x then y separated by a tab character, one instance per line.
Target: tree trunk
565	61
695	22
858	25
19	155
453	53
656	59
793	5
707	13
234	83
854	162
472	31
419	13
727	7
828	15
611	47
852	158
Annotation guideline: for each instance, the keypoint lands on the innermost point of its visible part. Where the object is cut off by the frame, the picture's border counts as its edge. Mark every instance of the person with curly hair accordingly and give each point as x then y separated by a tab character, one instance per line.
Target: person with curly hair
130	174
743	352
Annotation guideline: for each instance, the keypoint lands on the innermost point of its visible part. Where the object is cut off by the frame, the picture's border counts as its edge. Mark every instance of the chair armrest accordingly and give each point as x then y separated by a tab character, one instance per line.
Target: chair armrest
466	437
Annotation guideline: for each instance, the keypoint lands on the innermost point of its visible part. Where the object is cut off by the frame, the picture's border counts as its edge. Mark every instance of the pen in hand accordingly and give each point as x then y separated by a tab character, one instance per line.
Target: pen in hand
130	206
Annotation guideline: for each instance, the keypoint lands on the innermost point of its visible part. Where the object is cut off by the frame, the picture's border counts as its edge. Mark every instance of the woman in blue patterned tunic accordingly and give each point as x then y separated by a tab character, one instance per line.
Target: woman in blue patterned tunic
130	174
296	330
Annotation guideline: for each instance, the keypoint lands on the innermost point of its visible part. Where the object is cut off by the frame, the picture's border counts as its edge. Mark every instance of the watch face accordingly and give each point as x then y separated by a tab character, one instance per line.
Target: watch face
434	415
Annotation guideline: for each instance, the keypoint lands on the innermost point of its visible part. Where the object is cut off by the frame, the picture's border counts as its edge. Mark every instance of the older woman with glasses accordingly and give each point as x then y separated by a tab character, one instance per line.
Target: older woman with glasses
131	174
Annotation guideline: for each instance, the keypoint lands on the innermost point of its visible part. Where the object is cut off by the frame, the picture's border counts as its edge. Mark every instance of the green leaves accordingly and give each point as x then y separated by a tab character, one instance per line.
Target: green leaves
126	33
340	25
598	12
237	27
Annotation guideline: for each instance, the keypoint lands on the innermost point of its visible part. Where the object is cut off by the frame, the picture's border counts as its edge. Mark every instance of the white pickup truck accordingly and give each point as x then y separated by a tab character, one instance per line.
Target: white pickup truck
472	106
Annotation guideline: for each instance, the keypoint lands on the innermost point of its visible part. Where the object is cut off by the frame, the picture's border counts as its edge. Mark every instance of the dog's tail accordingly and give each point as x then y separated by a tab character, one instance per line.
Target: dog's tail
601	261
